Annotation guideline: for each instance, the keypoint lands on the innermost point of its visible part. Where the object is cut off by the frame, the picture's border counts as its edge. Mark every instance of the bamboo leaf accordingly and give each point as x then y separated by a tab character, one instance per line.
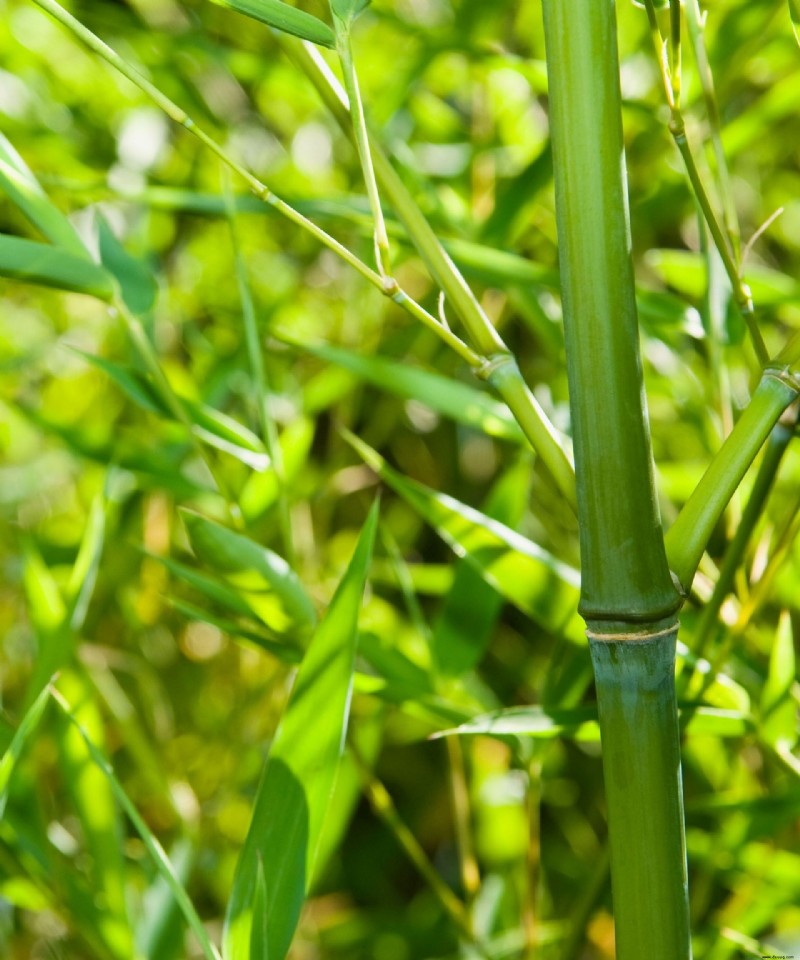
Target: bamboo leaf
448	397
137	285
284	18
213	427
300	774
25	730
794	14
161	928
94	802
464	626
778	709
263	579
23	189
284	652
348	10
519	570
151	843
580	723
48	266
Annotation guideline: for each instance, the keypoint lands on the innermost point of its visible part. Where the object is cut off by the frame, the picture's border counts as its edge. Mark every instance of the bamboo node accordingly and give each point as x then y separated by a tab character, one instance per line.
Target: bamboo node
639	636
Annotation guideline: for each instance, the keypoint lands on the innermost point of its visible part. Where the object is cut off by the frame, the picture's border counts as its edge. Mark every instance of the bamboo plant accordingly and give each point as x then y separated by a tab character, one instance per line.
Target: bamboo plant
635	577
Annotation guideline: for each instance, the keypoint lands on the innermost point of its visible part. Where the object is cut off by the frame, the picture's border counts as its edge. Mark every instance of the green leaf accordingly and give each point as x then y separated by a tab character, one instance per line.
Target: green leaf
264	580
580	723
466	621
794	14
447	397
284	18
48	266
214	428
23	189
137	285
28	725
153	847
300	774
94	802
778	708
348	10
526	575
284	652
160	931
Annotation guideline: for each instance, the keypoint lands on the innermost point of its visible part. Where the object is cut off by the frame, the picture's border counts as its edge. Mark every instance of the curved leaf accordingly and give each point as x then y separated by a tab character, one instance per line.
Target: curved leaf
23	189
526	575
48	266
265	581
284	18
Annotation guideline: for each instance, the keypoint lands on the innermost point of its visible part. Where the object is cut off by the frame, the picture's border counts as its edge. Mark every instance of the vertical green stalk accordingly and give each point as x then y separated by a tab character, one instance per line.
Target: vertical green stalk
642	770
628	597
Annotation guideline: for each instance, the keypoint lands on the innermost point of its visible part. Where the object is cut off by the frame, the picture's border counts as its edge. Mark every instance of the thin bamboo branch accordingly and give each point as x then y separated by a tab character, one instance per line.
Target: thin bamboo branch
261	190
688	536
540	432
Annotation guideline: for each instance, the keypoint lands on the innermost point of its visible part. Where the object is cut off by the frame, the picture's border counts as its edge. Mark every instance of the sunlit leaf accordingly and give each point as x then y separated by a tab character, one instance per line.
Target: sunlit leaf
25	730
264	580
580	723
519	570
151	843
285	18
23	189
300	773
778	707
445	396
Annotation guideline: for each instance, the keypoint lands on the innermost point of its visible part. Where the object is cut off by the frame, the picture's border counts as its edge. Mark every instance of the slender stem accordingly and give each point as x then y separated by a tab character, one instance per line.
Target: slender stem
266	424
459	792
261	190
539	431
144	348
724	243
776	446
382	804
695	27
688	536
345	53
503	374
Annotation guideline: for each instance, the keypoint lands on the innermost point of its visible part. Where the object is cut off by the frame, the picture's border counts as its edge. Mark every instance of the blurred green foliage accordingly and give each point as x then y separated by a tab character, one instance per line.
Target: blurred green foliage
180	663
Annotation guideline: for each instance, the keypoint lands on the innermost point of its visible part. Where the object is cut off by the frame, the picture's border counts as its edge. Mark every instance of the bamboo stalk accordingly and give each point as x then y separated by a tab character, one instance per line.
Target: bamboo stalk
628	597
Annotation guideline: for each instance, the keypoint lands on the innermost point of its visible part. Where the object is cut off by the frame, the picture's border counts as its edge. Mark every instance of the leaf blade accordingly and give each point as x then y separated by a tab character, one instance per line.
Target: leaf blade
300	774
284	18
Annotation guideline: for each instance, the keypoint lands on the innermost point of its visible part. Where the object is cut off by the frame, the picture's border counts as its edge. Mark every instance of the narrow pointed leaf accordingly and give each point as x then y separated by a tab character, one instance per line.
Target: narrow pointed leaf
24	731
284	18
794	13
778	708
580	723
466	621
526	575
213	427
300	774
151	843
447	397
23	189
93	801
48	266
137	285
265	581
